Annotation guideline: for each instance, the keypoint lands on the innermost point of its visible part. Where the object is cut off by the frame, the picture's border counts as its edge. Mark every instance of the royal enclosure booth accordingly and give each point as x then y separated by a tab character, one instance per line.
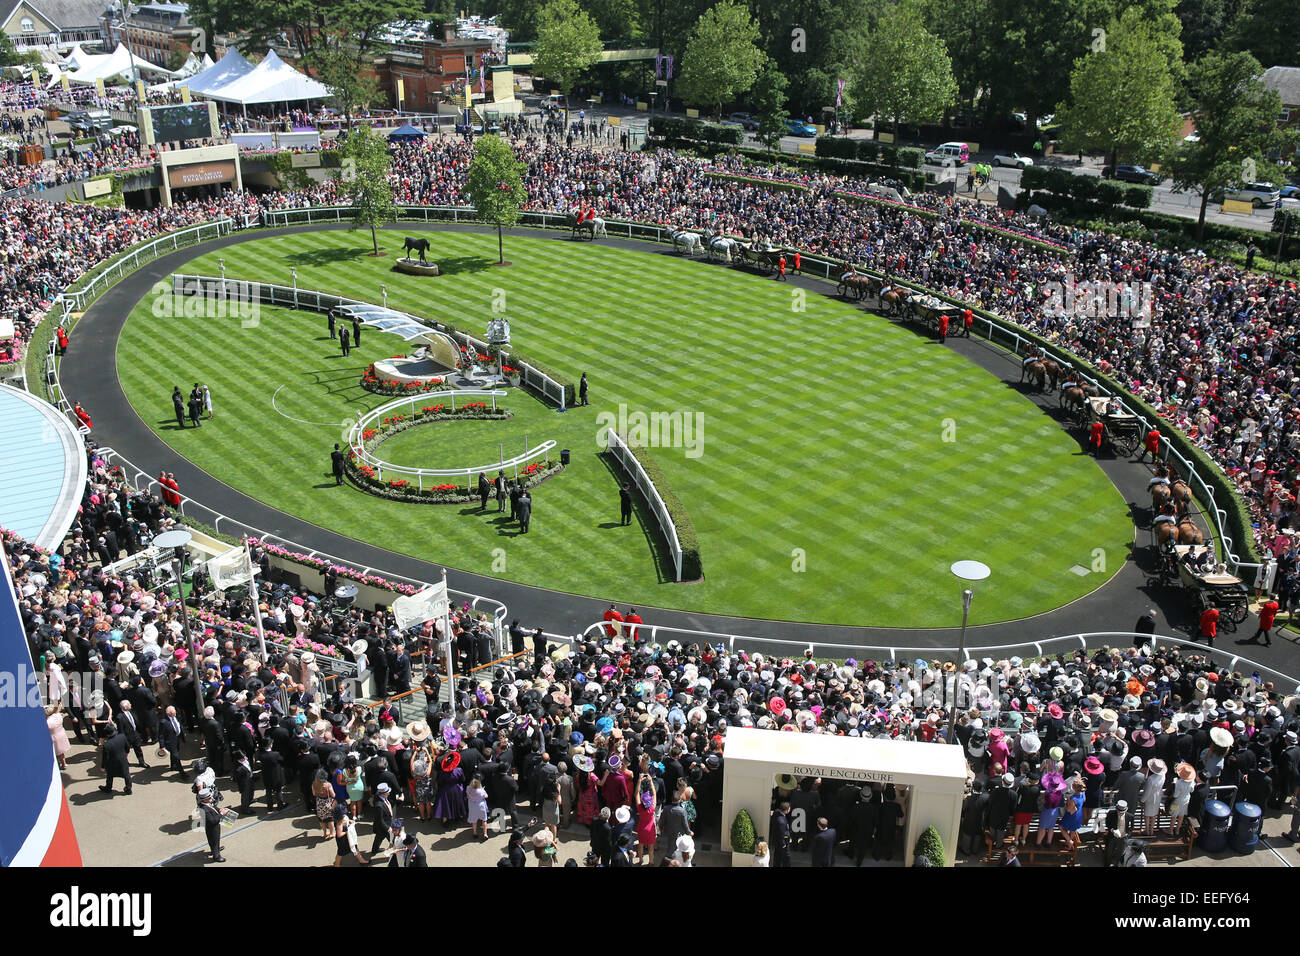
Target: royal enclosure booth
934	776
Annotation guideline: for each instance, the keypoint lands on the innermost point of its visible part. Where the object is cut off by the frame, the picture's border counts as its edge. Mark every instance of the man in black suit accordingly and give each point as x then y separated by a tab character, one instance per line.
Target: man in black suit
178	403
126	723
582	390
410	855
211	825
625	504
602	840
501	491
145	709
332	327
356	332
823	844
382	817
516	489
343	341
213	740
524	507
337	459
484	490
115	749
196	407
273	777
399	675
779	836
170	734
242	776
308	762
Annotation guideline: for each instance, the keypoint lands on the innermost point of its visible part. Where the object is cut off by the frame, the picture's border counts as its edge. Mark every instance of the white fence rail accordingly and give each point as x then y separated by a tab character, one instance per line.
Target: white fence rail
628	461
356	438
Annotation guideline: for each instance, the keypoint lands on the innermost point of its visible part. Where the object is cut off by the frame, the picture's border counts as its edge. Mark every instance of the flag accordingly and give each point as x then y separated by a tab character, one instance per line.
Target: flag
482	73
99	86
659	66
66	86
415	609
668	61
230	569
185	94
839	93
139	89
401	91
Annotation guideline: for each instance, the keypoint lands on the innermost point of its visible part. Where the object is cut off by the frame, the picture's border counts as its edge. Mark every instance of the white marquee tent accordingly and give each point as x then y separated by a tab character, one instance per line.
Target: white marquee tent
104	66
271	81
214	76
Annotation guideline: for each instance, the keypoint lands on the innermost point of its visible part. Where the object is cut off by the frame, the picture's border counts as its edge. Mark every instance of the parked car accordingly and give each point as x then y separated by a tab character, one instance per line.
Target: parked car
1131	174
1258	195
798	127
958	153
1289	191
746	120
1012	159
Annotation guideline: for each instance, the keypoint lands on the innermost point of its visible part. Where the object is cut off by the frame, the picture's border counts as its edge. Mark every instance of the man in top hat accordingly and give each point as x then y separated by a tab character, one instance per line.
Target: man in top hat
272	764
116	764
382	817
779	836
211	823
410	855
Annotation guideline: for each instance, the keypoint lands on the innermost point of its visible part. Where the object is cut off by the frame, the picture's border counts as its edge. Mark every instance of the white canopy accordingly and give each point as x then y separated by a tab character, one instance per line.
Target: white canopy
107	65
230	68
271	81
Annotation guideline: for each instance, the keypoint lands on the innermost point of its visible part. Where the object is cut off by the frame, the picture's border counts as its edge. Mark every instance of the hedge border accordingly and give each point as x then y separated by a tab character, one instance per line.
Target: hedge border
692	565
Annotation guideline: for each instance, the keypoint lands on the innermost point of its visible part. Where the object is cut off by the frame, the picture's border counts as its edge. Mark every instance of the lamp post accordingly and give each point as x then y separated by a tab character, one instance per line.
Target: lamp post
221	261
175	542
967	571
383	290
293	271
135	76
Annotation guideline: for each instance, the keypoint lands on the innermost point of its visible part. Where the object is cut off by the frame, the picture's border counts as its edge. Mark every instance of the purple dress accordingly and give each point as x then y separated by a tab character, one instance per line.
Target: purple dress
451	804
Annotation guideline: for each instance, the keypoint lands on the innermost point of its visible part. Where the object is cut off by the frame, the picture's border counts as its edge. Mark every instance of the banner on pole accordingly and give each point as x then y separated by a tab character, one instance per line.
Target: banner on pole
230	569
839	92
185	94
415	609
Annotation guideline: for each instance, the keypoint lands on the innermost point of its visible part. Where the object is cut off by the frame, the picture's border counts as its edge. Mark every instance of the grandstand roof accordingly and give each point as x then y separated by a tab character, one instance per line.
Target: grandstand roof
42	468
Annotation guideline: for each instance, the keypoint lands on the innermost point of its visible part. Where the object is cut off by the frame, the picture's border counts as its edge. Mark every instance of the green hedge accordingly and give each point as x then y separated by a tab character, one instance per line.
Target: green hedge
675	127
742	833
692	566
869	151
930	845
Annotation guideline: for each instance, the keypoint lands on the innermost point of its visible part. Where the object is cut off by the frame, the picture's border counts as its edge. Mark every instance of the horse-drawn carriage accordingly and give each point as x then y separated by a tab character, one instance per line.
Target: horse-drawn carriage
765	257
929	310
588	227
1122	431
1215	588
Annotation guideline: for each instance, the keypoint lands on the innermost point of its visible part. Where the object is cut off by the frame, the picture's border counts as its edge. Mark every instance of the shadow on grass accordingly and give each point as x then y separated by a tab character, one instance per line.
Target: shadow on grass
644	521
169	425
325	257
459	264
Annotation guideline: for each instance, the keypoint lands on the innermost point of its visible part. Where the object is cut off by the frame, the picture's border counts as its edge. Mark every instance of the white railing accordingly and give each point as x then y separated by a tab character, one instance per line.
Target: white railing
297	298
904	655
623	455
356	439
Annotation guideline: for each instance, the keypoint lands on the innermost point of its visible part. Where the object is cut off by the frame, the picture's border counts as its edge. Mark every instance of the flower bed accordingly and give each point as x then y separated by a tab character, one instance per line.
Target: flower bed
246	629
371	383
343	571
403	489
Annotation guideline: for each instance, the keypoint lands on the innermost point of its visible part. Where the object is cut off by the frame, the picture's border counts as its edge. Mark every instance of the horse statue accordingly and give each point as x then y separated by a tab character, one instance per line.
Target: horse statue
690	242
859	285
419	245
1188	532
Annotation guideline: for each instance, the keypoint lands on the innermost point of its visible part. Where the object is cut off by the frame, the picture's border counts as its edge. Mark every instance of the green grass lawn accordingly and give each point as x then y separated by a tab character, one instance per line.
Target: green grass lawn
844	462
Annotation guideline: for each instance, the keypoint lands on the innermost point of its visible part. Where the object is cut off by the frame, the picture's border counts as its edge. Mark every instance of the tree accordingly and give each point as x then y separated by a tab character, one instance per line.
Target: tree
813	58
495	186
742	833
903	72
365	165
1203	22
930	845
722	57
1236	126
336	67
1122	98
1029	65
769	105
1270	30
568	43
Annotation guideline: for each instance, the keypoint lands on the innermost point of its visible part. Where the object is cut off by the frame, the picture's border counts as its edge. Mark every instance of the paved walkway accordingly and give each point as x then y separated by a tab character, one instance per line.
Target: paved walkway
89	375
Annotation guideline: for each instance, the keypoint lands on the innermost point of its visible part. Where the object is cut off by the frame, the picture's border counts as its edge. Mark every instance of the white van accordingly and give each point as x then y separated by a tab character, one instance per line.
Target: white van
556	101
958	153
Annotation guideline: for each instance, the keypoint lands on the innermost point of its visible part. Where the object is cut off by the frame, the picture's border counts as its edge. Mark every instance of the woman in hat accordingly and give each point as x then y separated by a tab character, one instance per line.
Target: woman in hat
645	820
588	788
478	807
451	803
354	785
1050	806
1072	813
54	721
1183	786
1153	793
422	772
345	837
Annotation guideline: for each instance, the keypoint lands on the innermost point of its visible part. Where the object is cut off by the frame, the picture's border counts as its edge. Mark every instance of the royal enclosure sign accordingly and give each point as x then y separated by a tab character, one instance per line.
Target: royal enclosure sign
201	174
842	773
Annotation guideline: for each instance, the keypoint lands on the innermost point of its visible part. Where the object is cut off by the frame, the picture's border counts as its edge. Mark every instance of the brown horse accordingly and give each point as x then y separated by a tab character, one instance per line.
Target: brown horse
1036	372
1160	495
1166	532
858	285
1188	533
1182	495
895	299
1074	397
1053	371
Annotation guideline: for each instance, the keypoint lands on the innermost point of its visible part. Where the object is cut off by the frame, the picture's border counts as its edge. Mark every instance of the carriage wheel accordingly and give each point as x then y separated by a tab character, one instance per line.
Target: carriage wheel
842	290
1126	443
1238	613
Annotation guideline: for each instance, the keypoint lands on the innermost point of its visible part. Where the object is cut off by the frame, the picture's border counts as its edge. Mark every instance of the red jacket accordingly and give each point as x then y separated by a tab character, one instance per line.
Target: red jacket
1267	612
1096	433
1210	622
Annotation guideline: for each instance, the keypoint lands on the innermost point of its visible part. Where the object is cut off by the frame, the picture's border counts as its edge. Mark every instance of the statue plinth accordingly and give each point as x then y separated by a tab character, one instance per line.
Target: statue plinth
416	268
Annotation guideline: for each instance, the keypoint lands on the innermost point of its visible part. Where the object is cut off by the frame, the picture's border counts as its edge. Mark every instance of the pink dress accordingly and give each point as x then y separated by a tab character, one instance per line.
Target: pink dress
58	734
645	825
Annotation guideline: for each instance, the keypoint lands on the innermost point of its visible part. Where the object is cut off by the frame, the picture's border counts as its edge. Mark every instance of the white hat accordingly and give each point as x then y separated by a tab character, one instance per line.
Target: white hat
307	657
623	814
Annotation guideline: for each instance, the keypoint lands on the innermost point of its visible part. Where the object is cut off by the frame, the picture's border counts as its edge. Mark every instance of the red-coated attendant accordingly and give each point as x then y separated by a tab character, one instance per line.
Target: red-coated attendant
62	334
1209	625
943	327
968	319
798	262
1094	438
781	266
82	416
1267	613
632	618
612	619
1151	444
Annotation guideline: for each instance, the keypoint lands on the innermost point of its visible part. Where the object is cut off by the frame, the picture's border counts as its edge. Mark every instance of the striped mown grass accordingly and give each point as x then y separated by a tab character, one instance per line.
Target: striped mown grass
843	464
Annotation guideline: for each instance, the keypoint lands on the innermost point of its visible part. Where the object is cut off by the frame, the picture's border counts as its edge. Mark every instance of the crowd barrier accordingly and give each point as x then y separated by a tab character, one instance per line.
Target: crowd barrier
629	463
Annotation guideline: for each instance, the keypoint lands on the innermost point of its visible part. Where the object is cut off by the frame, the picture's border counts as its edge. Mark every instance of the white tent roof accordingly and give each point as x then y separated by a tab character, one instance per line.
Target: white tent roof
118	63
272	81
76	56
230	68
192	67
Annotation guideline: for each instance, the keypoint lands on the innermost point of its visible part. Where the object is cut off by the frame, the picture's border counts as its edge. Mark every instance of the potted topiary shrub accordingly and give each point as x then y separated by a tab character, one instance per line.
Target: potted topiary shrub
742	840
930	845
